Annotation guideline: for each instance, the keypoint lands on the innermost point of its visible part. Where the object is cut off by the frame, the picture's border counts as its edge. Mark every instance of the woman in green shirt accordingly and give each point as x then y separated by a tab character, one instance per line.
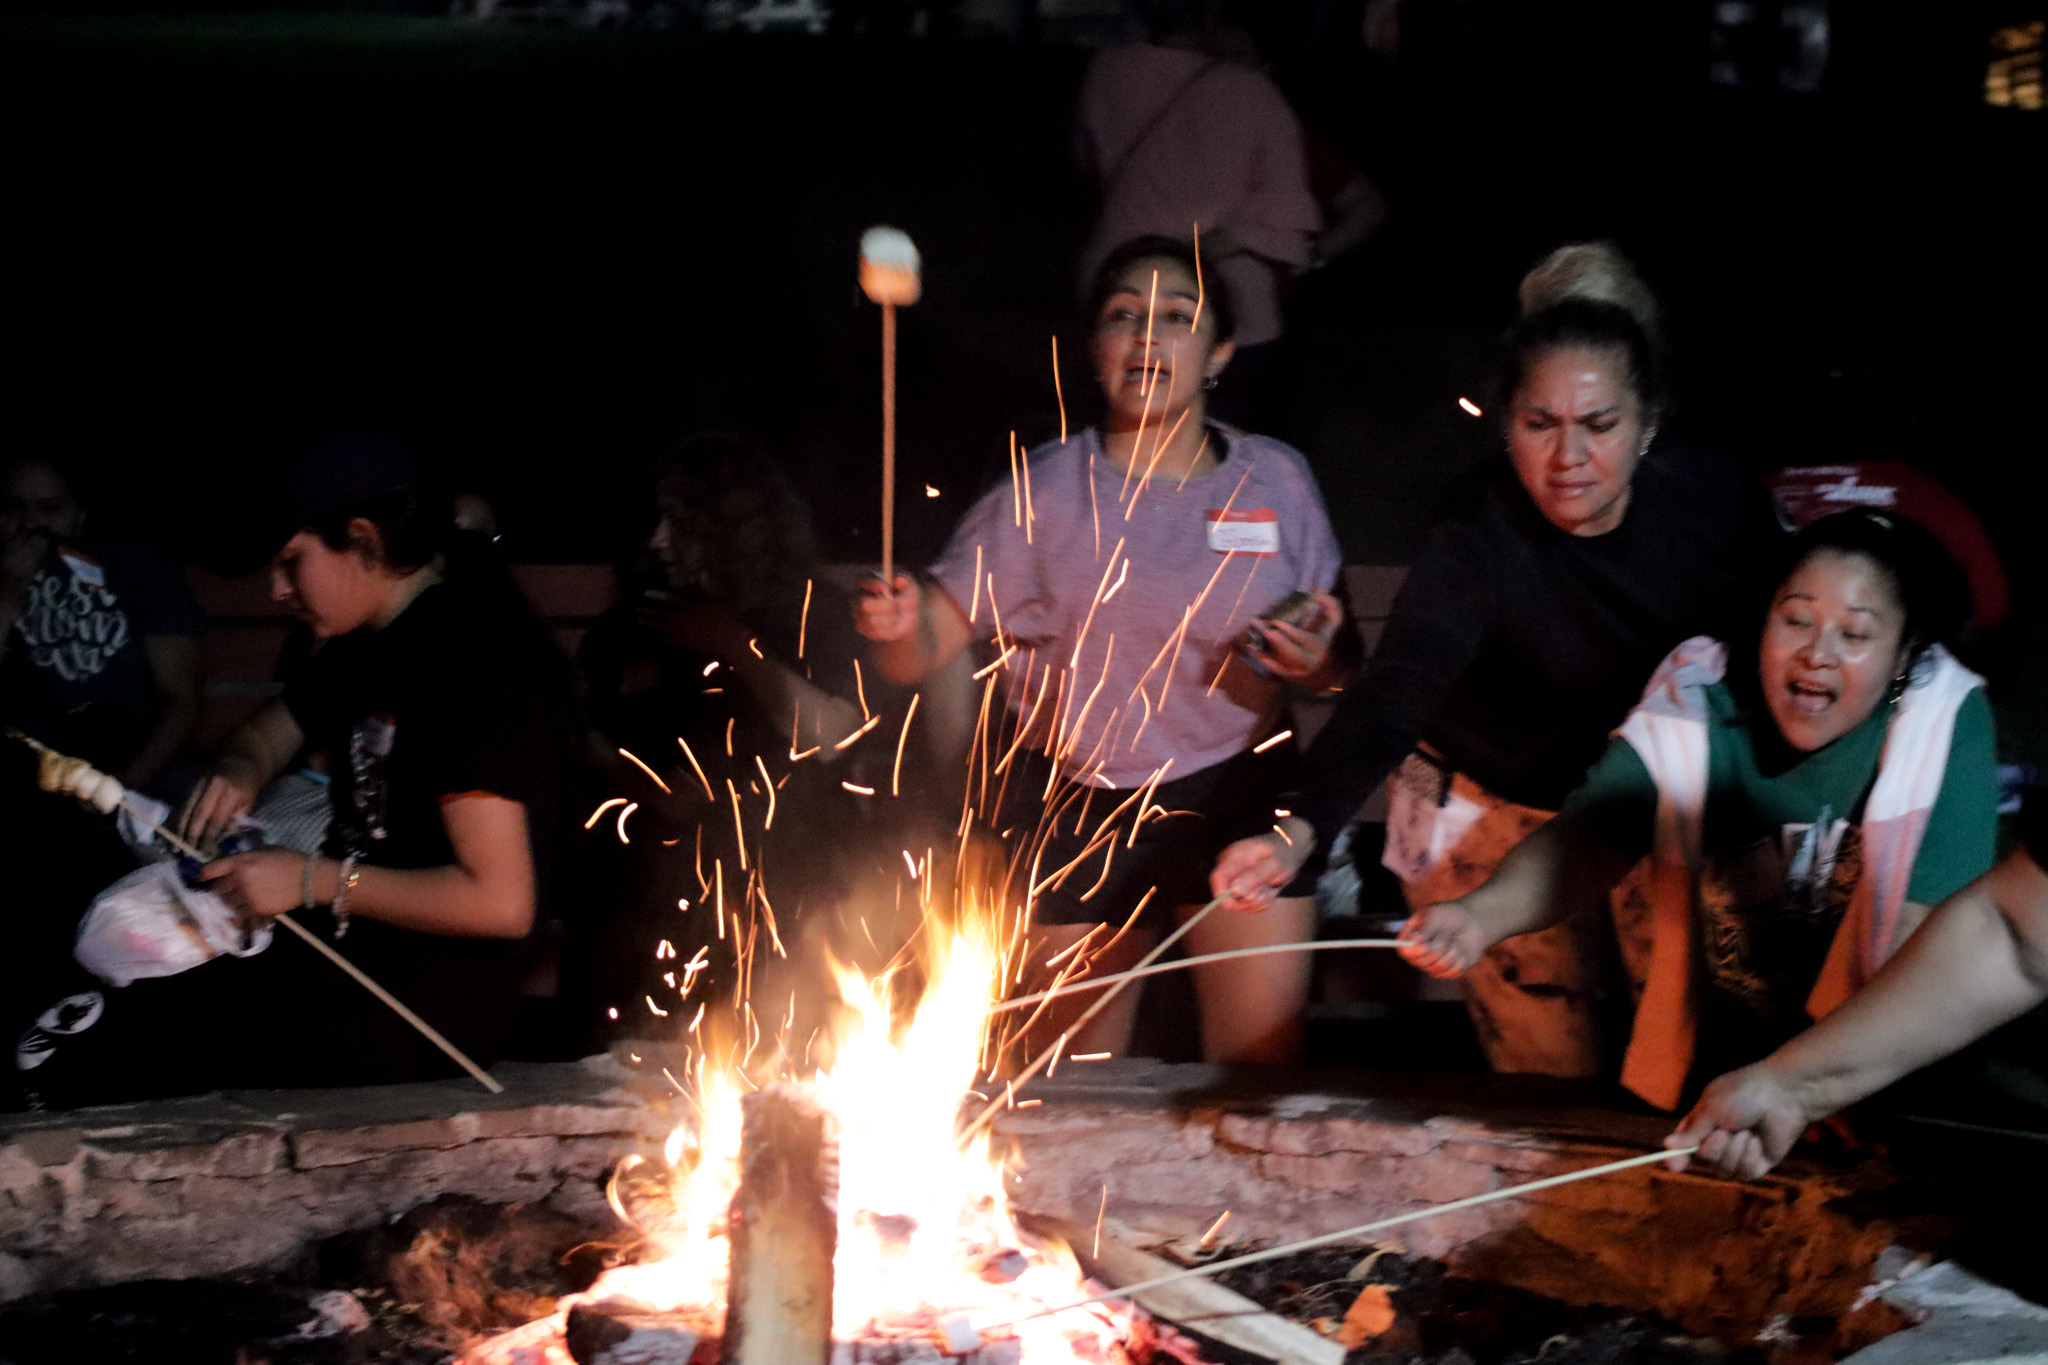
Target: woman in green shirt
1791	807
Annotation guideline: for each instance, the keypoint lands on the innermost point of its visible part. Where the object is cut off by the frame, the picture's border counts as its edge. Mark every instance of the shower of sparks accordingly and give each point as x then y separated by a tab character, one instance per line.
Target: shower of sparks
1268	743
755	646
994	664
867	725
598	814
1201	294
634	759
896	773
860	689
1121	574
769	823
857	789
698	768
803	620
1024	459
930	491
1470	407
630	807
1059	393
710	668
1016	486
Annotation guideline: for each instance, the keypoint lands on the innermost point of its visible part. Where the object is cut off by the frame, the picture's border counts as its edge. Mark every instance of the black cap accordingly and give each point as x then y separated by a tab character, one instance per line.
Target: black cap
318	480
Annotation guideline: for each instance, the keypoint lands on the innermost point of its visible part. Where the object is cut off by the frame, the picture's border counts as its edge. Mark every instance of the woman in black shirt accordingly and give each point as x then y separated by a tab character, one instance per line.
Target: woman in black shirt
1557	578
451	734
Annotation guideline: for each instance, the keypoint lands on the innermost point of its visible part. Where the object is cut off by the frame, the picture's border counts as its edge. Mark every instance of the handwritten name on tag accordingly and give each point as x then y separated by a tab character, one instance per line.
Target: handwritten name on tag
1247	531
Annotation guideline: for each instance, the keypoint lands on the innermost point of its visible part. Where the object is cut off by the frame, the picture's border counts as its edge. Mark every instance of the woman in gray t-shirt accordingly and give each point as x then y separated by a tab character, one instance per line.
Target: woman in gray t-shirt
1120	578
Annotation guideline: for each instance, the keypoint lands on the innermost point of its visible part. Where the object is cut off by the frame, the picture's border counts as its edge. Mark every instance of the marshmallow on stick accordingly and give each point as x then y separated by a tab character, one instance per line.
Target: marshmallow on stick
68	776
888	275
889	266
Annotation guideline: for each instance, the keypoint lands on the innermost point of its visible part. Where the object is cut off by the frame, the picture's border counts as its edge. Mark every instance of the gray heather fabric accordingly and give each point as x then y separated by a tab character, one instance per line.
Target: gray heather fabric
1133	700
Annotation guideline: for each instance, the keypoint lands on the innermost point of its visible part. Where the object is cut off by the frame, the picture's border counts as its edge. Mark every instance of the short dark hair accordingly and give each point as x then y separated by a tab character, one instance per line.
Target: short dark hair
416	523
1929	586
1216	300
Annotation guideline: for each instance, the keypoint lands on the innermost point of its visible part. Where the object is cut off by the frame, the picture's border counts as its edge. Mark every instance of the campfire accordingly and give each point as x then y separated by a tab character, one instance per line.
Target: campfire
842	1206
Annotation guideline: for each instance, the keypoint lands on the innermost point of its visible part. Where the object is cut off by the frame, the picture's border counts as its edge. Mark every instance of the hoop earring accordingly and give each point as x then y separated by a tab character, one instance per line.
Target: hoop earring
1900	682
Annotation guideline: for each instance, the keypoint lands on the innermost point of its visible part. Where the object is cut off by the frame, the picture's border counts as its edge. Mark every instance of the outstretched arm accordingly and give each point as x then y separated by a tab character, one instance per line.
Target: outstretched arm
1979	961
1562	869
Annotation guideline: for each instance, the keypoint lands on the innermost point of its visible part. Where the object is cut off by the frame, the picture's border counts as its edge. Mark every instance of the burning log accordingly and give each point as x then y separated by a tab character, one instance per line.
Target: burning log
784	1229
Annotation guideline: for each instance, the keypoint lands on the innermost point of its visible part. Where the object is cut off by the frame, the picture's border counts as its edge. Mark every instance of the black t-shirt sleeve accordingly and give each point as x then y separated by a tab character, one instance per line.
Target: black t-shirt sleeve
1432	636
482	728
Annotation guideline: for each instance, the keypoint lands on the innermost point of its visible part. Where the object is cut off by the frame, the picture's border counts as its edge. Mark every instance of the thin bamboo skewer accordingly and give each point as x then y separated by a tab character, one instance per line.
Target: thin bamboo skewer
987	1115
362	978
1349	1234
888	446
1093	982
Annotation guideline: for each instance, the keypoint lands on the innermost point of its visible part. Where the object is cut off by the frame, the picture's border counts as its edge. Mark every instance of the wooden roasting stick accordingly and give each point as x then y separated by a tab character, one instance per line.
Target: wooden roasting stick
320	945
957	1326
1098	982
889	276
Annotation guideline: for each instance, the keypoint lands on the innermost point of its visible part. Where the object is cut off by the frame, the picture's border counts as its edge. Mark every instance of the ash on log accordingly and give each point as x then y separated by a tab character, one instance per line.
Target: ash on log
784	1228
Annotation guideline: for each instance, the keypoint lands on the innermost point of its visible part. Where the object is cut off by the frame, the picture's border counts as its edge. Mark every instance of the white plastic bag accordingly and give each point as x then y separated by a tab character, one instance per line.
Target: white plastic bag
151	924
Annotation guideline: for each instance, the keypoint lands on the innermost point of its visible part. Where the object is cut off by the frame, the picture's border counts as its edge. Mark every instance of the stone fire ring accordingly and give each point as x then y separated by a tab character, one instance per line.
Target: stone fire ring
233	1183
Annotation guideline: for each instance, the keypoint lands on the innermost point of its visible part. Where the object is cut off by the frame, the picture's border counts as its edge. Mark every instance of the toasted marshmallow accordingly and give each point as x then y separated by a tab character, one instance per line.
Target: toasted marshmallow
889	266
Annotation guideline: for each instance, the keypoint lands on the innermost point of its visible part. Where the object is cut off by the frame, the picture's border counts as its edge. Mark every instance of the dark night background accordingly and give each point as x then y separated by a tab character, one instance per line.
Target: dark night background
548	251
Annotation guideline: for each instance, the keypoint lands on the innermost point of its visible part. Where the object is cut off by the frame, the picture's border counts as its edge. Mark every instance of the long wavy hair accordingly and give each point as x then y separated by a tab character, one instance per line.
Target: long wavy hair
743	534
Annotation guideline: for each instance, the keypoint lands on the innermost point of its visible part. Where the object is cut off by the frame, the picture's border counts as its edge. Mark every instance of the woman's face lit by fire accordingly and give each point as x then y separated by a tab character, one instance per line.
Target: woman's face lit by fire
1152	352
1832	646
1577	430
333	591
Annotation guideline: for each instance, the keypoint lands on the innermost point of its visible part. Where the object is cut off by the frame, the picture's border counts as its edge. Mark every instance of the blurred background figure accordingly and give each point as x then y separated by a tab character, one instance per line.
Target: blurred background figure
728	666
1185	133
99	658
99	638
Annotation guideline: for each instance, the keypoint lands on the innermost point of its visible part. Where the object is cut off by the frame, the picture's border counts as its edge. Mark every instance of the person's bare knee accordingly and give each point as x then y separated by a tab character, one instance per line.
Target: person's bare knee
1252	1006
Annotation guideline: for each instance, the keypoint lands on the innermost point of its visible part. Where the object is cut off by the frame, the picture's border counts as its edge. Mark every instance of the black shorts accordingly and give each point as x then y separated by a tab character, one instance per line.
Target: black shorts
1206	812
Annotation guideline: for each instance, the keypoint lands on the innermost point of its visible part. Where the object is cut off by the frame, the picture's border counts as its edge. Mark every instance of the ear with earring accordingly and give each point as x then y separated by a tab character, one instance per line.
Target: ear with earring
1901	680
1209	380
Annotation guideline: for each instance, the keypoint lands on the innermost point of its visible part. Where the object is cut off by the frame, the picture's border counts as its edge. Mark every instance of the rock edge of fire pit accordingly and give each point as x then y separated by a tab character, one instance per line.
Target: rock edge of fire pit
242	1180
1167	1149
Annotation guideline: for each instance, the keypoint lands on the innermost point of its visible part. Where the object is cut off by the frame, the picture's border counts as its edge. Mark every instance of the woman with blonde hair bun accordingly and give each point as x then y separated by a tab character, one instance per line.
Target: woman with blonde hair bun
1558	574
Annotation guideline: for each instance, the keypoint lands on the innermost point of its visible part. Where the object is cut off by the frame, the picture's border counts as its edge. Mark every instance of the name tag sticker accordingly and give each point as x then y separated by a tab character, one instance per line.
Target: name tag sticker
1247	530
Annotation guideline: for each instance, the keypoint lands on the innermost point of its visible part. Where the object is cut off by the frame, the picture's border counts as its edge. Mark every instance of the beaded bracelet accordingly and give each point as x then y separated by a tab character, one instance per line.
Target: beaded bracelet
350	875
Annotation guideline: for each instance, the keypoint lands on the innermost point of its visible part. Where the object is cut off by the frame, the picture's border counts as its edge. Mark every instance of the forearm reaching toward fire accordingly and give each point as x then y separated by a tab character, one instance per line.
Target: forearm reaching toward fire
1562	869
1980	960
